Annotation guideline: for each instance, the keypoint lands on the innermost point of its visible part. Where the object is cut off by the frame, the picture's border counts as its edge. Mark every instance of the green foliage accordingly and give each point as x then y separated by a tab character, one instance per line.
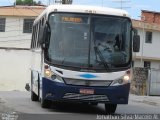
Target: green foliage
27	2
19	2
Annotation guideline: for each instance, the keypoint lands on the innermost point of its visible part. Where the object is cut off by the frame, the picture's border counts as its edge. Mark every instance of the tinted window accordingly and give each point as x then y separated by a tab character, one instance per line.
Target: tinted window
2	24
27	25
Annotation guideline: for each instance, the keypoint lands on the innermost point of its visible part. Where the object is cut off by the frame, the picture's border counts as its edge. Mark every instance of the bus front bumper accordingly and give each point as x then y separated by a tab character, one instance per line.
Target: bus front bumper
61	92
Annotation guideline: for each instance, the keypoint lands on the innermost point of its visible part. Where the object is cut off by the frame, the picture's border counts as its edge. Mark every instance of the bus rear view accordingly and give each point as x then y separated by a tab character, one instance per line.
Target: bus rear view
82	54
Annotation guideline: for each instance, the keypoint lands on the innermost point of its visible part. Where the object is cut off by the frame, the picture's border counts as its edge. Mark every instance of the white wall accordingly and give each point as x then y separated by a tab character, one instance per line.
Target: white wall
13	35
137	63
154	64
150	49
14	69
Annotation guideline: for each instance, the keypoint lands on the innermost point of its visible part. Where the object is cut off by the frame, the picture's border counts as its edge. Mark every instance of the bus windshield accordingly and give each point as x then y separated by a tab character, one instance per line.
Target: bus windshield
83	40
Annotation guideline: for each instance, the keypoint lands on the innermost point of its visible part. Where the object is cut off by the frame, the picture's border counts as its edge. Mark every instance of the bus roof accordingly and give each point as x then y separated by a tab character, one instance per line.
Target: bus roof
83	9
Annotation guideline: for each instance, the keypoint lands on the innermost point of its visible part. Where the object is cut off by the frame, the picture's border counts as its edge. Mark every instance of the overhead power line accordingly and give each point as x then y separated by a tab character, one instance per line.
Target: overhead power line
63	1
35	11
122	2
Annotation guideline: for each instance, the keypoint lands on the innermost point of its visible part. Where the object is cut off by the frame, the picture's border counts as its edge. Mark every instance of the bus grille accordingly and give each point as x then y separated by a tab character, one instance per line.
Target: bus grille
87	82
86	97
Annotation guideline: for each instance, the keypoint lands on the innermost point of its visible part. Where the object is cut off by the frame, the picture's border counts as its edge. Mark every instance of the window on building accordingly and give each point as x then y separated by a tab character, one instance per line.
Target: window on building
2	24
148	37
147	64
27	25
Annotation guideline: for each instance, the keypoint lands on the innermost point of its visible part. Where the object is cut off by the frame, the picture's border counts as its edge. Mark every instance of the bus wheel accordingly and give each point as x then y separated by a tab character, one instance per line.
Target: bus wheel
45	103
94	104
110	108
34	97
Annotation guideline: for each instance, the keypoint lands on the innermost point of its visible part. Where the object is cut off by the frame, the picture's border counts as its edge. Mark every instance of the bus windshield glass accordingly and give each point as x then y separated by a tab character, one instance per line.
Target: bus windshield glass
82	40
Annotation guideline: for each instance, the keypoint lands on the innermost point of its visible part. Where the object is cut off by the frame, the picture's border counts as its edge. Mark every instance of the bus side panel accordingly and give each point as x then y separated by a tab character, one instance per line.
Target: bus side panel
35	82
36	70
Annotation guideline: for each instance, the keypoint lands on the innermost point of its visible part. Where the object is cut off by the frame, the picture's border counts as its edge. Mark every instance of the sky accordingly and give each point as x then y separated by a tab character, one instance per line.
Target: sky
133	7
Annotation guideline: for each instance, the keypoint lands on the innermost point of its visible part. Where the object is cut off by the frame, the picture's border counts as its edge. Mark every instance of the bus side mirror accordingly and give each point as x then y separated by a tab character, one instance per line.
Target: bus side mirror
43	36
136	43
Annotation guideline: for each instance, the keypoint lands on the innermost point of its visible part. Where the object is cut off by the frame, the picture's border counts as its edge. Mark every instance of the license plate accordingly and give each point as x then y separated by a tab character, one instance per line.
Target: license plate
86	91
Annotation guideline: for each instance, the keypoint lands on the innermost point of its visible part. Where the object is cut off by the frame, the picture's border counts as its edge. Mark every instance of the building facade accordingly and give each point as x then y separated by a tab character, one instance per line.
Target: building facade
15	39
16	25
149	30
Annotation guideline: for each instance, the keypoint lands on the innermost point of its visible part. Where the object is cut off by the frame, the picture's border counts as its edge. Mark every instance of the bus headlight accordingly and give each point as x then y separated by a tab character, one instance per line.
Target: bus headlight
126	79
121	81
50	75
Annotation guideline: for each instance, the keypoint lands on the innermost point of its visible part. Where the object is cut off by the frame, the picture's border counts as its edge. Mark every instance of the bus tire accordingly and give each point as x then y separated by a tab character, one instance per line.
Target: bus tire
45	103
94	104
110	108
34	97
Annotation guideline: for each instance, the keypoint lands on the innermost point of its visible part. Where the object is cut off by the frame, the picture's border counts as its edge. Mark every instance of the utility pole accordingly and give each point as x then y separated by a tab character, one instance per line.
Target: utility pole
66	1
63	1
49	2
15	3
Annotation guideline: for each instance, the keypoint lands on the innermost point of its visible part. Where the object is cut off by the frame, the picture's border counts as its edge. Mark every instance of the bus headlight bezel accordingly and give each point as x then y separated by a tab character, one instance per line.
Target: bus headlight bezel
122	80
57	78
50	75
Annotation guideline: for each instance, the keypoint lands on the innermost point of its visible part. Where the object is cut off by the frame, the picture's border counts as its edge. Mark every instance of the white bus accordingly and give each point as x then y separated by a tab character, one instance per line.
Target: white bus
82	54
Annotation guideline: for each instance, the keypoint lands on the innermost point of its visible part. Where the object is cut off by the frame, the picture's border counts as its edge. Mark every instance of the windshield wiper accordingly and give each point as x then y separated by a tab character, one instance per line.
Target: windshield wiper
101	57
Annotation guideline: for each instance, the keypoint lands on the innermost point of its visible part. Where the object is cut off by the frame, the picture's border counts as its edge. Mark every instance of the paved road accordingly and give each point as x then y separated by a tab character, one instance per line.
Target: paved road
19	102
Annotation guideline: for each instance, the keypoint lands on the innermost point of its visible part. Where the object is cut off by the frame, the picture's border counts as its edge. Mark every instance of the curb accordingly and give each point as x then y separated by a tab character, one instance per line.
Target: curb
146	99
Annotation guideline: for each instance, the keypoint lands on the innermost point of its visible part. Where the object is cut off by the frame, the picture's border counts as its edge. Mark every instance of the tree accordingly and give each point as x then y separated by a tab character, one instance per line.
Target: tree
19	2
27	2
